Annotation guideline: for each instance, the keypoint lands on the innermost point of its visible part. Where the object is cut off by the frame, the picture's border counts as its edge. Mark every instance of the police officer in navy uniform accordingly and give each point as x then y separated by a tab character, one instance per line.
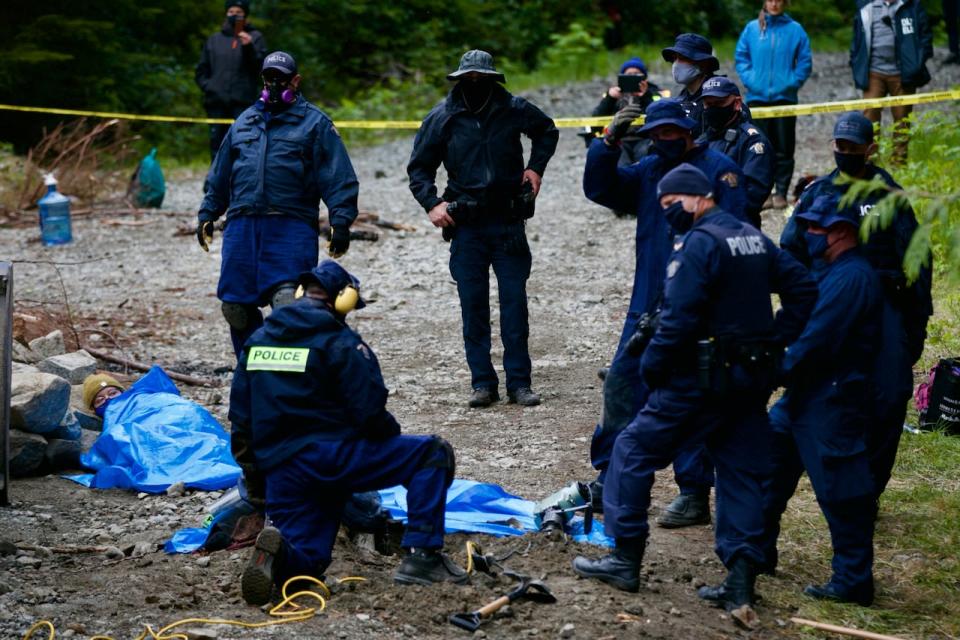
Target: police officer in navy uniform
280	157
907	305
634	187
475	133
820	423
710	367
693	64
729	131
308	412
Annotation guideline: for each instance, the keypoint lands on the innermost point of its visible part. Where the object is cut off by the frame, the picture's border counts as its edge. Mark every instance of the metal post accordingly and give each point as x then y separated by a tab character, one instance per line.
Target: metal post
6	371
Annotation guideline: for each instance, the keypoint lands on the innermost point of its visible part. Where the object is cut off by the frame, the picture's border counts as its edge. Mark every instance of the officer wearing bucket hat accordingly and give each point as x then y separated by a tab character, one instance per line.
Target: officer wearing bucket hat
710	368
489	195
308	410
820	425
693	64
279	159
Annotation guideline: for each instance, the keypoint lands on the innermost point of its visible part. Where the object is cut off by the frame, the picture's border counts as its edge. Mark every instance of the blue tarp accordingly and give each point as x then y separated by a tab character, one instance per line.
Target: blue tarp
472	507
152	438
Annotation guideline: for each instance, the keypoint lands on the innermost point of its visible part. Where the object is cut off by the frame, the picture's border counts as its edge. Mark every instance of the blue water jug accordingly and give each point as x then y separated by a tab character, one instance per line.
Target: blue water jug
54	215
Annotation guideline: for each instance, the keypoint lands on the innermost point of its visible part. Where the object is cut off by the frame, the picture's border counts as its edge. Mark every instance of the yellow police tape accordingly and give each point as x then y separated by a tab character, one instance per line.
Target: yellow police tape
758	113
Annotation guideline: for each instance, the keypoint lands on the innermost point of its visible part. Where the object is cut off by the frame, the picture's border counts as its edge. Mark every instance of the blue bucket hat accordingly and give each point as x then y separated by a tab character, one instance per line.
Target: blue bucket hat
684	179
477	61
634	63
666	111
719	87
333	278
692	46
854	127
826	212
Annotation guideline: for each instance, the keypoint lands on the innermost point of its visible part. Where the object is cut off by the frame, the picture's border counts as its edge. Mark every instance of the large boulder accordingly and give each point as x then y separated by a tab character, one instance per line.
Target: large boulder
23	353
38	400
72	367
49	345
27	451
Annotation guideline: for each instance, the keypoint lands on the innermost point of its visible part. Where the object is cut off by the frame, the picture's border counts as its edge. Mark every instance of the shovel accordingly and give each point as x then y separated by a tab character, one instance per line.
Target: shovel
533	590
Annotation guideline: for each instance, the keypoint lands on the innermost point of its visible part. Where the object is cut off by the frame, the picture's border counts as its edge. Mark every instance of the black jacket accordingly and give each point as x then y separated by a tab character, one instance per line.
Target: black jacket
482	153
913	38
228	72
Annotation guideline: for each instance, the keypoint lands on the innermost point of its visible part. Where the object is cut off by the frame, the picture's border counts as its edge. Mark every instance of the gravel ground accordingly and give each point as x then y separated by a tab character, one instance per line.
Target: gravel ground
153	291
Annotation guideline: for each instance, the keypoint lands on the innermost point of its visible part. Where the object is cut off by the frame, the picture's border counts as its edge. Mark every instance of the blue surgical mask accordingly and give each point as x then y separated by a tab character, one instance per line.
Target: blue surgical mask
102	409
684	73
679	218
817	244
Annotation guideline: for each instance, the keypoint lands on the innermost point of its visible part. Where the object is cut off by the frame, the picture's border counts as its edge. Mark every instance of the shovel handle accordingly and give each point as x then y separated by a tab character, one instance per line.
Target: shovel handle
496	605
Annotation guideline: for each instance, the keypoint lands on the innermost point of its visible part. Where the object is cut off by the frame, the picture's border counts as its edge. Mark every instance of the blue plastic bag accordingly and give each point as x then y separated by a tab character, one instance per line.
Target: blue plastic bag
147	186
153	438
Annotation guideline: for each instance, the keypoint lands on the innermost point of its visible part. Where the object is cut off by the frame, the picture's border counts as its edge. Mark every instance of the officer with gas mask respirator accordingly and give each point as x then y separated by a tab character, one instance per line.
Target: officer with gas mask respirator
278	160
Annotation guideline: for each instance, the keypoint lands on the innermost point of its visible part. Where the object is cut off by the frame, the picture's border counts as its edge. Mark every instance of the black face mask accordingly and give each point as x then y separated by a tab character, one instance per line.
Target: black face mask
679	218
851	164
717	118
476	92
671	150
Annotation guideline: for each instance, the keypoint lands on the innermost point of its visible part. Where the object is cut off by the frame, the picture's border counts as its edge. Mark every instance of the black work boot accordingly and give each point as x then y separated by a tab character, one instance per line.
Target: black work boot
524	396
737	589
427	566
621	568
256	583
483	397
685	511
862	596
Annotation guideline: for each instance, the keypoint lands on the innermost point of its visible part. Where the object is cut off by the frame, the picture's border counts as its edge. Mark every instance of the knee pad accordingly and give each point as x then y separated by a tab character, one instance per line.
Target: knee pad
441	456
239	316
283	294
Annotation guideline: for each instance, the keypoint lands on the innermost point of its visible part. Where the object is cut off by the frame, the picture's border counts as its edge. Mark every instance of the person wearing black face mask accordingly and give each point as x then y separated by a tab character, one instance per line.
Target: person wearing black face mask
729	131
907	305
635	187
229	69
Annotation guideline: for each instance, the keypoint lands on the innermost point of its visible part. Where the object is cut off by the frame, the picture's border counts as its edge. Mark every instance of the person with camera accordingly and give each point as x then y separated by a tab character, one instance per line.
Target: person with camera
490	192
277	161
229	69
710	367
633	88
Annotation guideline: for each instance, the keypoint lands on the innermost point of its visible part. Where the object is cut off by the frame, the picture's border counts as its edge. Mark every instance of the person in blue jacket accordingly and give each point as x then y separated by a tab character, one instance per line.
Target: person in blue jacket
773	61
907	305
820	423
476	134
892	41
635	187
693	63
727	129
277	161
308	411
710	367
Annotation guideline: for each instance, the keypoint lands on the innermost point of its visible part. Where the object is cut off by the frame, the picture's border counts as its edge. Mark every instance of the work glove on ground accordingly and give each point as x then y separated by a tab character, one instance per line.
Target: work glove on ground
205	234
622	121
339	241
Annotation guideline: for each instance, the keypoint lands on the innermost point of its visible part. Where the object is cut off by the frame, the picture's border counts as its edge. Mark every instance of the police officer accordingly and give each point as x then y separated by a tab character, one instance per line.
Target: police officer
635	187
907	305
820	422
475	134
693	64
729	131
308	410
710	368
278	160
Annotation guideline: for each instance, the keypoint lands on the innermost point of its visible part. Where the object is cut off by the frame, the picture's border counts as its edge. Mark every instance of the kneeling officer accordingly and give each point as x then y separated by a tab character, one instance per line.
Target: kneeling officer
308	409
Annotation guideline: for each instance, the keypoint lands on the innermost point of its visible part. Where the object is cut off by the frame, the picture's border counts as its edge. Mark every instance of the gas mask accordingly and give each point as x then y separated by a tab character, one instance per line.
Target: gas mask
277	94
684	73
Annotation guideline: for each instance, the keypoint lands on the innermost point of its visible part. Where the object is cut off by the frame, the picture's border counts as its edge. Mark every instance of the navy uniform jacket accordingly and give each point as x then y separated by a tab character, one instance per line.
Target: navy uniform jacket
306	377
634	188
749	148
284	162
482	153
884	250
718	284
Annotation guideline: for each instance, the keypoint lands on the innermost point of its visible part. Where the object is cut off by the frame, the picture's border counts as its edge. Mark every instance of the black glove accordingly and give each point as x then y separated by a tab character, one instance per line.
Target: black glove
339	241
622	121
205	234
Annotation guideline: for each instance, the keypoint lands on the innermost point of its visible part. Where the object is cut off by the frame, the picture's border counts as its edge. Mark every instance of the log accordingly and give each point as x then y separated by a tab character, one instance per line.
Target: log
847	631
139	366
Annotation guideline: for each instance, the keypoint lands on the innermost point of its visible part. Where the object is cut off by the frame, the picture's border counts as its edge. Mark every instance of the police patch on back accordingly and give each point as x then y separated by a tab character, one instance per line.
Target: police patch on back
751	245
289	359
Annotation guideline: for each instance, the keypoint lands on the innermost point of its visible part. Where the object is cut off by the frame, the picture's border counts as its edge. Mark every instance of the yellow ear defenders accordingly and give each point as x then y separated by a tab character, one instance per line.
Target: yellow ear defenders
346	300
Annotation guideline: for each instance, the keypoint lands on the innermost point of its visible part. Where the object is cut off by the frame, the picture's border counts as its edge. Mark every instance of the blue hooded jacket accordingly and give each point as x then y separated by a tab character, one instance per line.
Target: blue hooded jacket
912	36
773	64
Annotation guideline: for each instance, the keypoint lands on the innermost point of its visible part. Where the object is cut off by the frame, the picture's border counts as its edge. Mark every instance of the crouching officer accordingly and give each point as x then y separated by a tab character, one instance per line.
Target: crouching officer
728	130
710	367
475	133
308	409
820	424
280	157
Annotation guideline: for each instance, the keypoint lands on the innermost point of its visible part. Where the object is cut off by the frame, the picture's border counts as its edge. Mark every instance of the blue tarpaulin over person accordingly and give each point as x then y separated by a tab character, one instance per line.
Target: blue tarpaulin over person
152	438
472	507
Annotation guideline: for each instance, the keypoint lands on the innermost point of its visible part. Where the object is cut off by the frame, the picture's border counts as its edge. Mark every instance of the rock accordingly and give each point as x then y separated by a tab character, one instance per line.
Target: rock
73	367
176	490
27	452
113	553
23	353
62	454
203	561
7	548
568	630
68	429
29	561
88	421
38	401
49	345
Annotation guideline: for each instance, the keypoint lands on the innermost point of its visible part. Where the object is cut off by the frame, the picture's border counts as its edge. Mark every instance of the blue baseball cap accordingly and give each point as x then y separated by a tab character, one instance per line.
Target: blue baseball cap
854	127
826	212
719	87
333	278
281	61
693	46
634	63
664	112
684	179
